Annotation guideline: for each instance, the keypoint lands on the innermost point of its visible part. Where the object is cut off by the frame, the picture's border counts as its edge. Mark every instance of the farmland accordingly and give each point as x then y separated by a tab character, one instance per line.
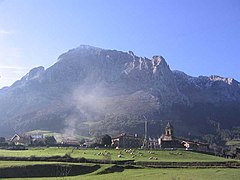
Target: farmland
153	173
137	155
113	171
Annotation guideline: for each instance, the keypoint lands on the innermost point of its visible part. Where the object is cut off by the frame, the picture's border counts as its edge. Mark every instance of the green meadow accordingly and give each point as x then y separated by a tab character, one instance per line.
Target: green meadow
155	173
137	155
135	173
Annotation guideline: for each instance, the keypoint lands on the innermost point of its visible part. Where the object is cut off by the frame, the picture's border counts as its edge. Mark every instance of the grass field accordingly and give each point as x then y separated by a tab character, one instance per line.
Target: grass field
137	155
172	174
135	174
4	164
152	174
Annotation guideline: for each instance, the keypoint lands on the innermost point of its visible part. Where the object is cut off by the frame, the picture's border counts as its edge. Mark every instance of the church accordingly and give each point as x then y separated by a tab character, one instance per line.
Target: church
168	140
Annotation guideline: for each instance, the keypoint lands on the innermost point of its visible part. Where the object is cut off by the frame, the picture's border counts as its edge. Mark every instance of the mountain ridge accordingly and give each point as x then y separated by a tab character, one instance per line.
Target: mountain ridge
89	85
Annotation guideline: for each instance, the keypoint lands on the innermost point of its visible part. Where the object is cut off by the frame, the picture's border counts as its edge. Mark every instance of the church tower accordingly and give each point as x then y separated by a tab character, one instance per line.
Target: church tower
168	136
169	129
168	140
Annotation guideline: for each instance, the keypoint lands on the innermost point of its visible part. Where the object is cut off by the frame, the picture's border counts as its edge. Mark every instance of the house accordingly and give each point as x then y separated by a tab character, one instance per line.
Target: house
37	136
168	140
153	143
21	139
191	145
38	140
126	141
70	143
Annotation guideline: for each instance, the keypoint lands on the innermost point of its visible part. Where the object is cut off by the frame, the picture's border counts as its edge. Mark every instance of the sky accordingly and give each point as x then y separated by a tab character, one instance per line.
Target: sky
199	37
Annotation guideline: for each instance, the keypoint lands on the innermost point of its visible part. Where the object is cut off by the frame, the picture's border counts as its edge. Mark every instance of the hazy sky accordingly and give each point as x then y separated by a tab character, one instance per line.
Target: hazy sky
199	37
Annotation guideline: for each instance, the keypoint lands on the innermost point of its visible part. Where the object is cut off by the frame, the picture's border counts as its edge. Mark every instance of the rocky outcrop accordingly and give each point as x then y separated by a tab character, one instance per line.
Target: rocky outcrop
203	89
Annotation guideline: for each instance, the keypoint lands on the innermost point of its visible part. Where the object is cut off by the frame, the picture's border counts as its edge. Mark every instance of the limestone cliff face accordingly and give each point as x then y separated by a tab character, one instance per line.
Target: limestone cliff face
203	89
120	71
89	83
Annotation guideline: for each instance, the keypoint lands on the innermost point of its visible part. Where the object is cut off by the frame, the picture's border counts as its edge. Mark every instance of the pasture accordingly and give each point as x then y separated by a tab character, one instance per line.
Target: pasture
153	173
119	172
113	154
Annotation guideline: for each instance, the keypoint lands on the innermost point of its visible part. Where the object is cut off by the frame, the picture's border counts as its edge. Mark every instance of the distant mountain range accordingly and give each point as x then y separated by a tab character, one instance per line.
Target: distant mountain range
93	91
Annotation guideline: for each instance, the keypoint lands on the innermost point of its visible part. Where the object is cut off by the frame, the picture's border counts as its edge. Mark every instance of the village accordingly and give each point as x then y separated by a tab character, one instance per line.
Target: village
39	155
167	141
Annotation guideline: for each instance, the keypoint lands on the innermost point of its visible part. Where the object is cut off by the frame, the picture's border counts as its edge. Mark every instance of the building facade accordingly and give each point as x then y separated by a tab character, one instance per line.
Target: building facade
21	139
126	141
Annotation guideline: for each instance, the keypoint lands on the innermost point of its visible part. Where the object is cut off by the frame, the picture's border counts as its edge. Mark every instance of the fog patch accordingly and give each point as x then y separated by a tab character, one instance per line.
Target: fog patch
94	103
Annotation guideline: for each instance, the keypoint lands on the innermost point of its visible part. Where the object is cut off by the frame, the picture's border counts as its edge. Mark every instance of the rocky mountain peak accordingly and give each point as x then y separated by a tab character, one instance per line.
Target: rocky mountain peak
89	83
158	60
80	50
34	73
213	89
160	65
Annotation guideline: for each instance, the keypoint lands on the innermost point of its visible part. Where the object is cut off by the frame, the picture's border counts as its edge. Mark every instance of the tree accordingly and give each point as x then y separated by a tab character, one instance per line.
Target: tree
2	139
82	141
50	140
106	140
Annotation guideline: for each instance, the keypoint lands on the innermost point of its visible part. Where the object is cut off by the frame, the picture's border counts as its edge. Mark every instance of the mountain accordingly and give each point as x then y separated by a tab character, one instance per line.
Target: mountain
214	102
213	89
91	90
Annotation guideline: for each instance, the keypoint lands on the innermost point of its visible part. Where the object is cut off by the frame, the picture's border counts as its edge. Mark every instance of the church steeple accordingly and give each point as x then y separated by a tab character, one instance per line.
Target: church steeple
169	129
